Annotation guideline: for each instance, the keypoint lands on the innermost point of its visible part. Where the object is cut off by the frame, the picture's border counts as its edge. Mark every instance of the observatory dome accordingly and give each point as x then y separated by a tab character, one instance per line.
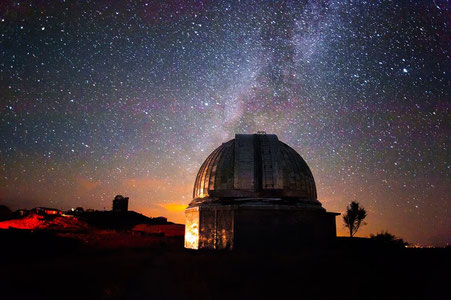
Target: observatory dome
255	167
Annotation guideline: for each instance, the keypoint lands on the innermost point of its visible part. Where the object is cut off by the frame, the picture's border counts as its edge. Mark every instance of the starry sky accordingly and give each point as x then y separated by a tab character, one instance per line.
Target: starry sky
99	98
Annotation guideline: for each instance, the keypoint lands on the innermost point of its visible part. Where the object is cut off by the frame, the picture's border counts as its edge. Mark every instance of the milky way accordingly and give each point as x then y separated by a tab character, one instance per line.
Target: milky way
100	98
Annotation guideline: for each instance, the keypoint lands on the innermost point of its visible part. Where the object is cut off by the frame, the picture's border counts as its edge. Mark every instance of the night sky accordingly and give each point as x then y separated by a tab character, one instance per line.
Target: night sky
99	98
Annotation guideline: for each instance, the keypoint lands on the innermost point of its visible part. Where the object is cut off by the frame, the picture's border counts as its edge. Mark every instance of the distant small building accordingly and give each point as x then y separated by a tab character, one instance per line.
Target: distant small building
75	211
23	212
79	210
120	204
46	211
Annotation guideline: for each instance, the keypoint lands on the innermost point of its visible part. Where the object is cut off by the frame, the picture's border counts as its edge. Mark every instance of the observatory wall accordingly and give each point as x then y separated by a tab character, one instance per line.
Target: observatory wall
192	228
257	227
209	227
278	227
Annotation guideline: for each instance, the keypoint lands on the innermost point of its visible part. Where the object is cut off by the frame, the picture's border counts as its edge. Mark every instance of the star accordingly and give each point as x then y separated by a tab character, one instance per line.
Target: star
99	100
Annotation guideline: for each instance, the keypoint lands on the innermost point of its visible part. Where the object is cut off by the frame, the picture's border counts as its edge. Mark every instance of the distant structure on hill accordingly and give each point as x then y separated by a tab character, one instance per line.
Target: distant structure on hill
256	192
79	209
120	204
46	211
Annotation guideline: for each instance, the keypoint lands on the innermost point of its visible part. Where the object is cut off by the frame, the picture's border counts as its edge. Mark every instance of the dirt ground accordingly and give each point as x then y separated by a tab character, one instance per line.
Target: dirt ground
45	266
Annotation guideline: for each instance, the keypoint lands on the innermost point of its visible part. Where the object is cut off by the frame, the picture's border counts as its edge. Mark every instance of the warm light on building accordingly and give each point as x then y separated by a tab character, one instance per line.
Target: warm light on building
202	194
192	228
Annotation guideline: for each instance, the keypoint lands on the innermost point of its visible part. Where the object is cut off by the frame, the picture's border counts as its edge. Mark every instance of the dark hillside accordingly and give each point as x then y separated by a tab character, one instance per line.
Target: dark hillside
46	267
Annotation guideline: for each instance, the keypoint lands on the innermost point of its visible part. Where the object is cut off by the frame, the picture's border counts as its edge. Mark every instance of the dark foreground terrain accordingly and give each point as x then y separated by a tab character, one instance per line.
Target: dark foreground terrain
47	266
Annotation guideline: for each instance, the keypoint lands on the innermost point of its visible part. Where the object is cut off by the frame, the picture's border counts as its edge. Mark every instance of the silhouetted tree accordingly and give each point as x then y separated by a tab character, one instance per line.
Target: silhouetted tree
353	217
385	238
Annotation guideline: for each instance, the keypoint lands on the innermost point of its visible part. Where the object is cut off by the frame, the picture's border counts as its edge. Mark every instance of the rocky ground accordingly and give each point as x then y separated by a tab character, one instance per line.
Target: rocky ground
40	265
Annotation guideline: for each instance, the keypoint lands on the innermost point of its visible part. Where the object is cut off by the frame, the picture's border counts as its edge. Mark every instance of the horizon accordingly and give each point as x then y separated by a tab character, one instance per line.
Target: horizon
342	231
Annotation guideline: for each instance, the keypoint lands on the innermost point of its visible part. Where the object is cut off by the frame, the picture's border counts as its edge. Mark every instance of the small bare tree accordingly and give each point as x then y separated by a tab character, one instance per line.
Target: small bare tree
353	217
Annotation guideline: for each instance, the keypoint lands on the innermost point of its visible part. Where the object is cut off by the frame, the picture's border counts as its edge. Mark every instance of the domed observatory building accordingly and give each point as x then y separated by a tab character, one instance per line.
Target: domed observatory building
255	192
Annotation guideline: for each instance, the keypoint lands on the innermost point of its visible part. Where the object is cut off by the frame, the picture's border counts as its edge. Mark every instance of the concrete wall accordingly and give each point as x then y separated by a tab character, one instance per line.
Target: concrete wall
282	228
257	227
192	228
216	228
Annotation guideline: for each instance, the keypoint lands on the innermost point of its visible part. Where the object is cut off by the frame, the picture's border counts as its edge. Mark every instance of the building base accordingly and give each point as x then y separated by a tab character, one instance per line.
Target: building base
257	226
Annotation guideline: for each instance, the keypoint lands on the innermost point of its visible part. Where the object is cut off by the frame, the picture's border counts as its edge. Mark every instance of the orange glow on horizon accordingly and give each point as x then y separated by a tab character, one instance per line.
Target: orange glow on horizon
174	207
